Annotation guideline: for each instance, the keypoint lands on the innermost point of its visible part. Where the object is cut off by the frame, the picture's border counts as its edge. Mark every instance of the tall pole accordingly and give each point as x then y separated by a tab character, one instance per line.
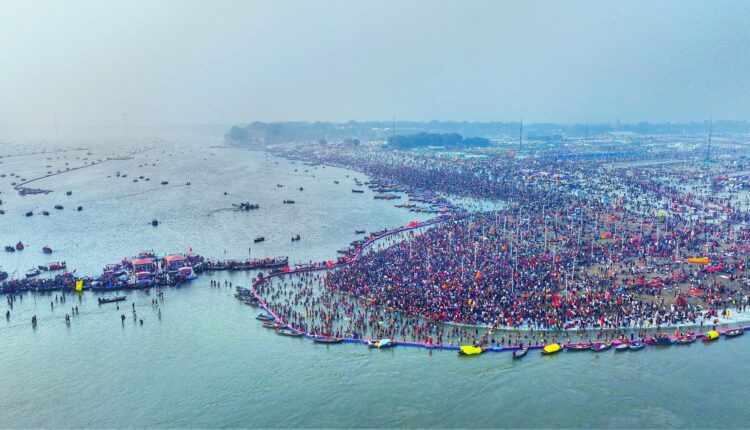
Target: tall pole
710	132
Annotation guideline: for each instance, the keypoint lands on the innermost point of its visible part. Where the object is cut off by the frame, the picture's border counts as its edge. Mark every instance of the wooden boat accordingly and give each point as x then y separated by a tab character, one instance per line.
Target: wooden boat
636	345
620	347
288	332
259	239
601	346
265	317
9	248
59	207
154	222
47	250
734	332
577	347
56	266
357	191
289	202
103	300
19	246
32	272
685	340
659	341
520	353
326	340
359	232
271	325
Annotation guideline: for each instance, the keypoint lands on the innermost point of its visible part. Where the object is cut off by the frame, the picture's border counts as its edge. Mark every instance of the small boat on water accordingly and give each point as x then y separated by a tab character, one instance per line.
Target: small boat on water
296	238
659	341
711	336
265	317
69	193
19	246
103	300
326	340
270	324
470	350
578	347
381	344
734	332
636	345
9	248
79	208
552	348
288	332
520	353
59	207
289	202
259	239
601	346
359	231
246	206
32	272
154	222
47	250
164	182
45	213
29	213
354	190
56	266
620	347
685	340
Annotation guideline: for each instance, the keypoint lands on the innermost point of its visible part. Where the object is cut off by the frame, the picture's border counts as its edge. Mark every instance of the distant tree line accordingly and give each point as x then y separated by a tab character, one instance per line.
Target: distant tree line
445	140
263	133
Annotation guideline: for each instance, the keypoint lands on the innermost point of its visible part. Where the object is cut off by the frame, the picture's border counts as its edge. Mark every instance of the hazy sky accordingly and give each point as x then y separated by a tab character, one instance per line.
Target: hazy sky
185	62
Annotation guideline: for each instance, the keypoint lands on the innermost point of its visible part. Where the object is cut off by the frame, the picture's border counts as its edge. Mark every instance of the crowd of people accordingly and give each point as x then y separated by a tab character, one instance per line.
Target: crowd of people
580	247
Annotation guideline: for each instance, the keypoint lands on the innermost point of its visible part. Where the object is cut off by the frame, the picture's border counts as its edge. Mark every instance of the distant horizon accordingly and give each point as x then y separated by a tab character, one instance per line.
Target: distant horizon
411	121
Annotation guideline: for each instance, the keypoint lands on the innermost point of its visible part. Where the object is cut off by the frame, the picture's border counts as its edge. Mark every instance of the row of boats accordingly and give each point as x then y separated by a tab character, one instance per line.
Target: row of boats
47	213
249	264
20	247
635	345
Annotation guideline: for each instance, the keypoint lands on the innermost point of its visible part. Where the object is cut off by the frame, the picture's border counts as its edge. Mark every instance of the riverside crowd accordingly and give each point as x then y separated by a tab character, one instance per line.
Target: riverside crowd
581	246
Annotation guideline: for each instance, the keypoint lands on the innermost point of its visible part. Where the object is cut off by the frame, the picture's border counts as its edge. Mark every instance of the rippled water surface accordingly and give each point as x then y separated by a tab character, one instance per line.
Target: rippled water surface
207	363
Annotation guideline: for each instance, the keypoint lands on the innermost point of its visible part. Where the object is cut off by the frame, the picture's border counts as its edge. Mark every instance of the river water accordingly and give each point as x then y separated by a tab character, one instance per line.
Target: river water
207	363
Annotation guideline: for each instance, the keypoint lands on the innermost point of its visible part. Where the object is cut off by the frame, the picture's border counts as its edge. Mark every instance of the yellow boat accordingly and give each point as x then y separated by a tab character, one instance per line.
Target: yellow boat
711	336
552	348
470	350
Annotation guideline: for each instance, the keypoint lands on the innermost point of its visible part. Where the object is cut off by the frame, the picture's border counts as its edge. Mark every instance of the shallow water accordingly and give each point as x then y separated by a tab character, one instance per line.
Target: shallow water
208	363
